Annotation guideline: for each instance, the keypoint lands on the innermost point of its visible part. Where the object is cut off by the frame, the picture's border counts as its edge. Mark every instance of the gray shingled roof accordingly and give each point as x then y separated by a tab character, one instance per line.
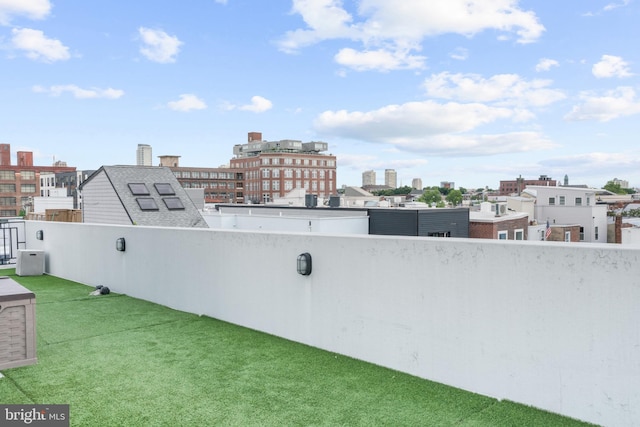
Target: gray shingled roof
120	178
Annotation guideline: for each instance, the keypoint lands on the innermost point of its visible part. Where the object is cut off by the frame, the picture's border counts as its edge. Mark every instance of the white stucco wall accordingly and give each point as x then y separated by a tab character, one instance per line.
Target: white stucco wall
337	225
554	326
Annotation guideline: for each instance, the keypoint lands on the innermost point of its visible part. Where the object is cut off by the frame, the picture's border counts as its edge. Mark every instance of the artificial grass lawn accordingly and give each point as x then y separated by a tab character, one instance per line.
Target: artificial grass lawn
120	361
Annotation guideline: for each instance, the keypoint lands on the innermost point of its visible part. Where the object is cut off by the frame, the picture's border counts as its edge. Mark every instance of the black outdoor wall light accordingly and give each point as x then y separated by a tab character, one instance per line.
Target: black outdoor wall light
304	264
120	245
39	235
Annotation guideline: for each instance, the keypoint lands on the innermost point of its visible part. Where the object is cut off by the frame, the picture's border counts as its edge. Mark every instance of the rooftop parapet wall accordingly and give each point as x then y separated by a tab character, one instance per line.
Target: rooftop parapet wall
552	325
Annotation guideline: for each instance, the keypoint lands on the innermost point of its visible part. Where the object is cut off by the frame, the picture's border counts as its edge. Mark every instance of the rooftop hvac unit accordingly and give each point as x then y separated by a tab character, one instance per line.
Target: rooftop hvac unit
501	209
30	262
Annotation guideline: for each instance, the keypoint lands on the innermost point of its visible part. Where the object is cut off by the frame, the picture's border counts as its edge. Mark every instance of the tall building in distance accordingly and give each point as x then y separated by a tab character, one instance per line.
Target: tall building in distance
272	169
368	178
143	155
391	178
623	183
417	183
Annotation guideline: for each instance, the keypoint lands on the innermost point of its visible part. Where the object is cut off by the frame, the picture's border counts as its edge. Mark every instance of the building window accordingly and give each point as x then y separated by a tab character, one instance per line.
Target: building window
28	188
265	185
314	185
552	201
561	200
265	173
518	234
588	201
567	236
314	174
596	233
265	161
147	204
27	175
288	173
322	174
288	185
321	185
8	175
298	173
581	234
306	174
173	203
275	185
7	212
578	201
178	174
502	235
7	201
275	173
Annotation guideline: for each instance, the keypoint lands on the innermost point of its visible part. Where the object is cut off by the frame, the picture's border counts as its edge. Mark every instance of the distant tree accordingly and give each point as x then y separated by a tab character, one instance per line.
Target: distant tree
444	190
430	196
633	213
454	197
403	190
440	204
463	190
614	188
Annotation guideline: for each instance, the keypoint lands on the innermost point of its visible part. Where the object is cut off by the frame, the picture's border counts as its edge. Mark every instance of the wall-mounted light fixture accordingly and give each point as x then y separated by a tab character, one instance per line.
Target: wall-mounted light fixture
304	264
120	245
39	235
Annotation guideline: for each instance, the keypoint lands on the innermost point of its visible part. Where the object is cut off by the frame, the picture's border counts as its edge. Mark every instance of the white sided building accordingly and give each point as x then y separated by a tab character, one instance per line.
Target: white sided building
571	205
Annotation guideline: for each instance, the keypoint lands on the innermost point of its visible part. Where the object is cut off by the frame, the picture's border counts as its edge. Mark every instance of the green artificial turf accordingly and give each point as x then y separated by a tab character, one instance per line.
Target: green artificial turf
119	361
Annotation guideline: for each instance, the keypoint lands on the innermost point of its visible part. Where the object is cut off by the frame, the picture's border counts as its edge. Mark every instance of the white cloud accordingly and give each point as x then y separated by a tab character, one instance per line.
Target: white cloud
612	6
545	64
80	93
399	28
37	46
613	104
258	105
479	145
158	46
382	60
221	1
413	120
611	66
502	89
186	103
32	9
459	54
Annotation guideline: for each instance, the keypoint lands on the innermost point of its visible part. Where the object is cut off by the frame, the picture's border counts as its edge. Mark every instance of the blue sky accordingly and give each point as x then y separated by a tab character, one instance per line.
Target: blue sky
467	91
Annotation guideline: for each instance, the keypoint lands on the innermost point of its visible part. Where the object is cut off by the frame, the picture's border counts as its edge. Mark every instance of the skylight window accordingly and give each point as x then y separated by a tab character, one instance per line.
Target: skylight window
139	189
147	204
164	189
173	203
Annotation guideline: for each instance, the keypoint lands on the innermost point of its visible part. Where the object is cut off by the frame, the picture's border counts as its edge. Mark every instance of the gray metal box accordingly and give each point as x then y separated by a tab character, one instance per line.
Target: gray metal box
30	262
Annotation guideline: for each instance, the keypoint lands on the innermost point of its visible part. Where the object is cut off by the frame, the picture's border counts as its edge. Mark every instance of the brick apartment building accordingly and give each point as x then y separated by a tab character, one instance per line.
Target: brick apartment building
273	168
221	185
21	182
516	186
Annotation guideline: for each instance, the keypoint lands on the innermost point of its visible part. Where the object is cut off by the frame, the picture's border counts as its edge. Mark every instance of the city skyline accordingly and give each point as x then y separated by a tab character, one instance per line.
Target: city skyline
468	92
